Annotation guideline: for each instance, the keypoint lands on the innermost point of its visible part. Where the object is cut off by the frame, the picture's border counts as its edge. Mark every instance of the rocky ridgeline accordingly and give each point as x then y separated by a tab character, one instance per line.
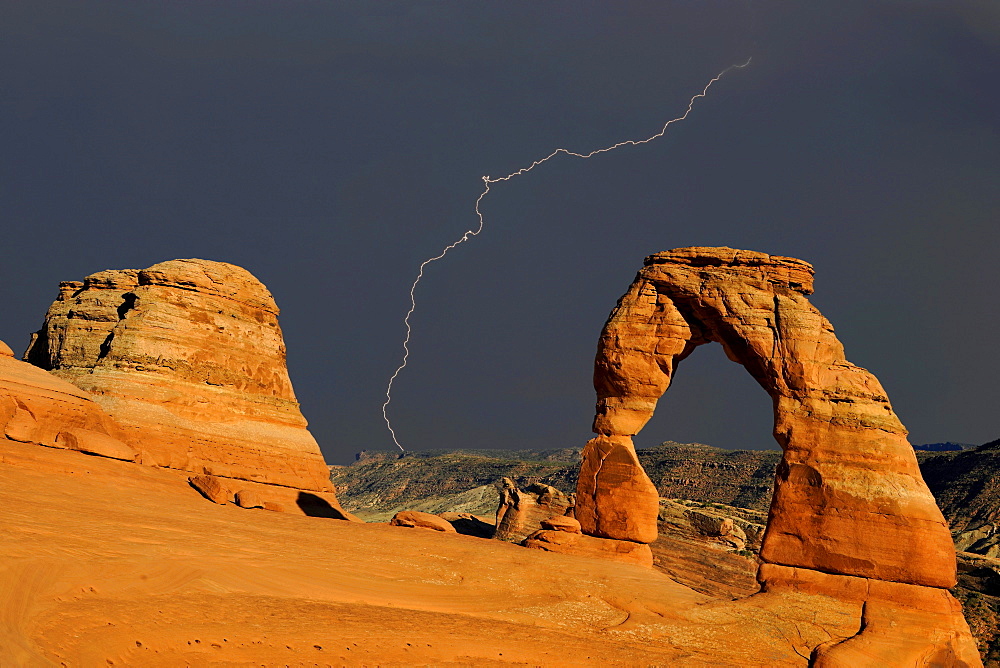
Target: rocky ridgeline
967	488
380	483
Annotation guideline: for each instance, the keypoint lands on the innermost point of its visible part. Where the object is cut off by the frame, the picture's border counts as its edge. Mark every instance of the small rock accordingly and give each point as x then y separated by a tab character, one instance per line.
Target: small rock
562	523
248	499
274	507
415	518
5	350
210	487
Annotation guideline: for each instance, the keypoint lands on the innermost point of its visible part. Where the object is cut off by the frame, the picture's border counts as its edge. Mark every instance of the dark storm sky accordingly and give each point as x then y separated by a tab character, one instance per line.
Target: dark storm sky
330	147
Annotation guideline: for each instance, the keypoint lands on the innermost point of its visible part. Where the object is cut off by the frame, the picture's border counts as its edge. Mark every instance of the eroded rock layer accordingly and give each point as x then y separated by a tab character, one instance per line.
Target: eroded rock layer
188	357
849	502
36	407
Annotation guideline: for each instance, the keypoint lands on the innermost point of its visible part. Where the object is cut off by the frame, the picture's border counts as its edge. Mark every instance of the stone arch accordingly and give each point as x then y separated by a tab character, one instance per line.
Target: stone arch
849	498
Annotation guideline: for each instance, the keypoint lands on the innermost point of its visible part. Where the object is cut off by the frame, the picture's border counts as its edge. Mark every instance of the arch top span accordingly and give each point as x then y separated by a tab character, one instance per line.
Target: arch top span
849	498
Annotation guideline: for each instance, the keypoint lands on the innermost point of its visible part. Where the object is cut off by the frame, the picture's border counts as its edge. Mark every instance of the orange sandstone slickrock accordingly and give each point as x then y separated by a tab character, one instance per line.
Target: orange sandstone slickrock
37	407
106	562
188	357
849	501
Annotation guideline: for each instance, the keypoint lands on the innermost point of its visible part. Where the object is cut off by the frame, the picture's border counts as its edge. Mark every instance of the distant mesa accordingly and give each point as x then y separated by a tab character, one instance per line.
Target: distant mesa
850	517
947	446
188	359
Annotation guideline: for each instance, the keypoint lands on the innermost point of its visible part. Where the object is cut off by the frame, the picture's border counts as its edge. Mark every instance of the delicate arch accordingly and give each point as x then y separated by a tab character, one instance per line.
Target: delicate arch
848	497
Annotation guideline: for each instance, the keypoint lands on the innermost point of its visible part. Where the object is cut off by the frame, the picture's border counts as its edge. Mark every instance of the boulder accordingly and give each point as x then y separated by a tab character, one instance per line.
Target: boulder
614	496
188	357
246	498
211	488
415	518
5	350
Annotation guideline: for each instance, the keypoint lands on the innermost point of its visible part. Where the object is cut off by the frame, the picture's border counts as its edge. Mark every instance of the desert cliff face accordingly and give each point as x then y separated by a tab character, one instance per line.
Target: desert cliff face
851	515
188	357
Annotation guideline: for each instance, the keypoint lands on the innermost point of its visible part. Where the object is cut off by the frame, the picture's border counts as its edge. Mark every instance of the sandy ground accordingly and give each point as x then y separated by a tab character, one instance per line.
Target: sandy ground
109	563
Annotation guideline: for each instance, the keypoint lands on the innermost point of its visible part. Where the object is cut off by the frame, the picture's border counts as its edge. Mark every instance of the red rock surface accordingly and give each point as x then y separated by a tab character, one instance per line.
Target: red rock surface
849	501
901	624
565	542
37	407
188	357
106	562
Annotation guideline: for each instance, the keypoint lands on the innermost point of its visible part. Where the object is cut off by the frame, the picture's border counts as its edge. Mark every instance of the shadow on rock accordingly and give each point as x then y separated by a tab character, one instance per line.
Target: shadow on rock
316	506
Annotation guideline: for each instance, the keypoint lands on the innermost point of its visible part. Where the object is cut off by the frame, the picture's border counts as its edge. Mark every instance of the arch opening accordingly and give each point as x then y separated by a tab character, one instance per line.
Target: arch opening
711	401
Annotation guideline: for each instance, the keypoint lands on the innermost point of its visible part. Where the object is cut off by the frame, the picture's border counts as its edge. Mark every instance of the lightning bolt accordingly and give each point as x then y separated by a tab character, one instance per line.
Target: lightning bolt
487	182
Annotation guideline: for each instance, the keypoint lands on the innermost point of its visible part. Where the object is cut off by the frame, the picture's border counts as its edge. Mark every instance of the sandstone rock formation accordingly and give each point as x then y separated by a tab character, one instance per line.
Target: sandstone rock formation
719	524
188	357
850	511
521	512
